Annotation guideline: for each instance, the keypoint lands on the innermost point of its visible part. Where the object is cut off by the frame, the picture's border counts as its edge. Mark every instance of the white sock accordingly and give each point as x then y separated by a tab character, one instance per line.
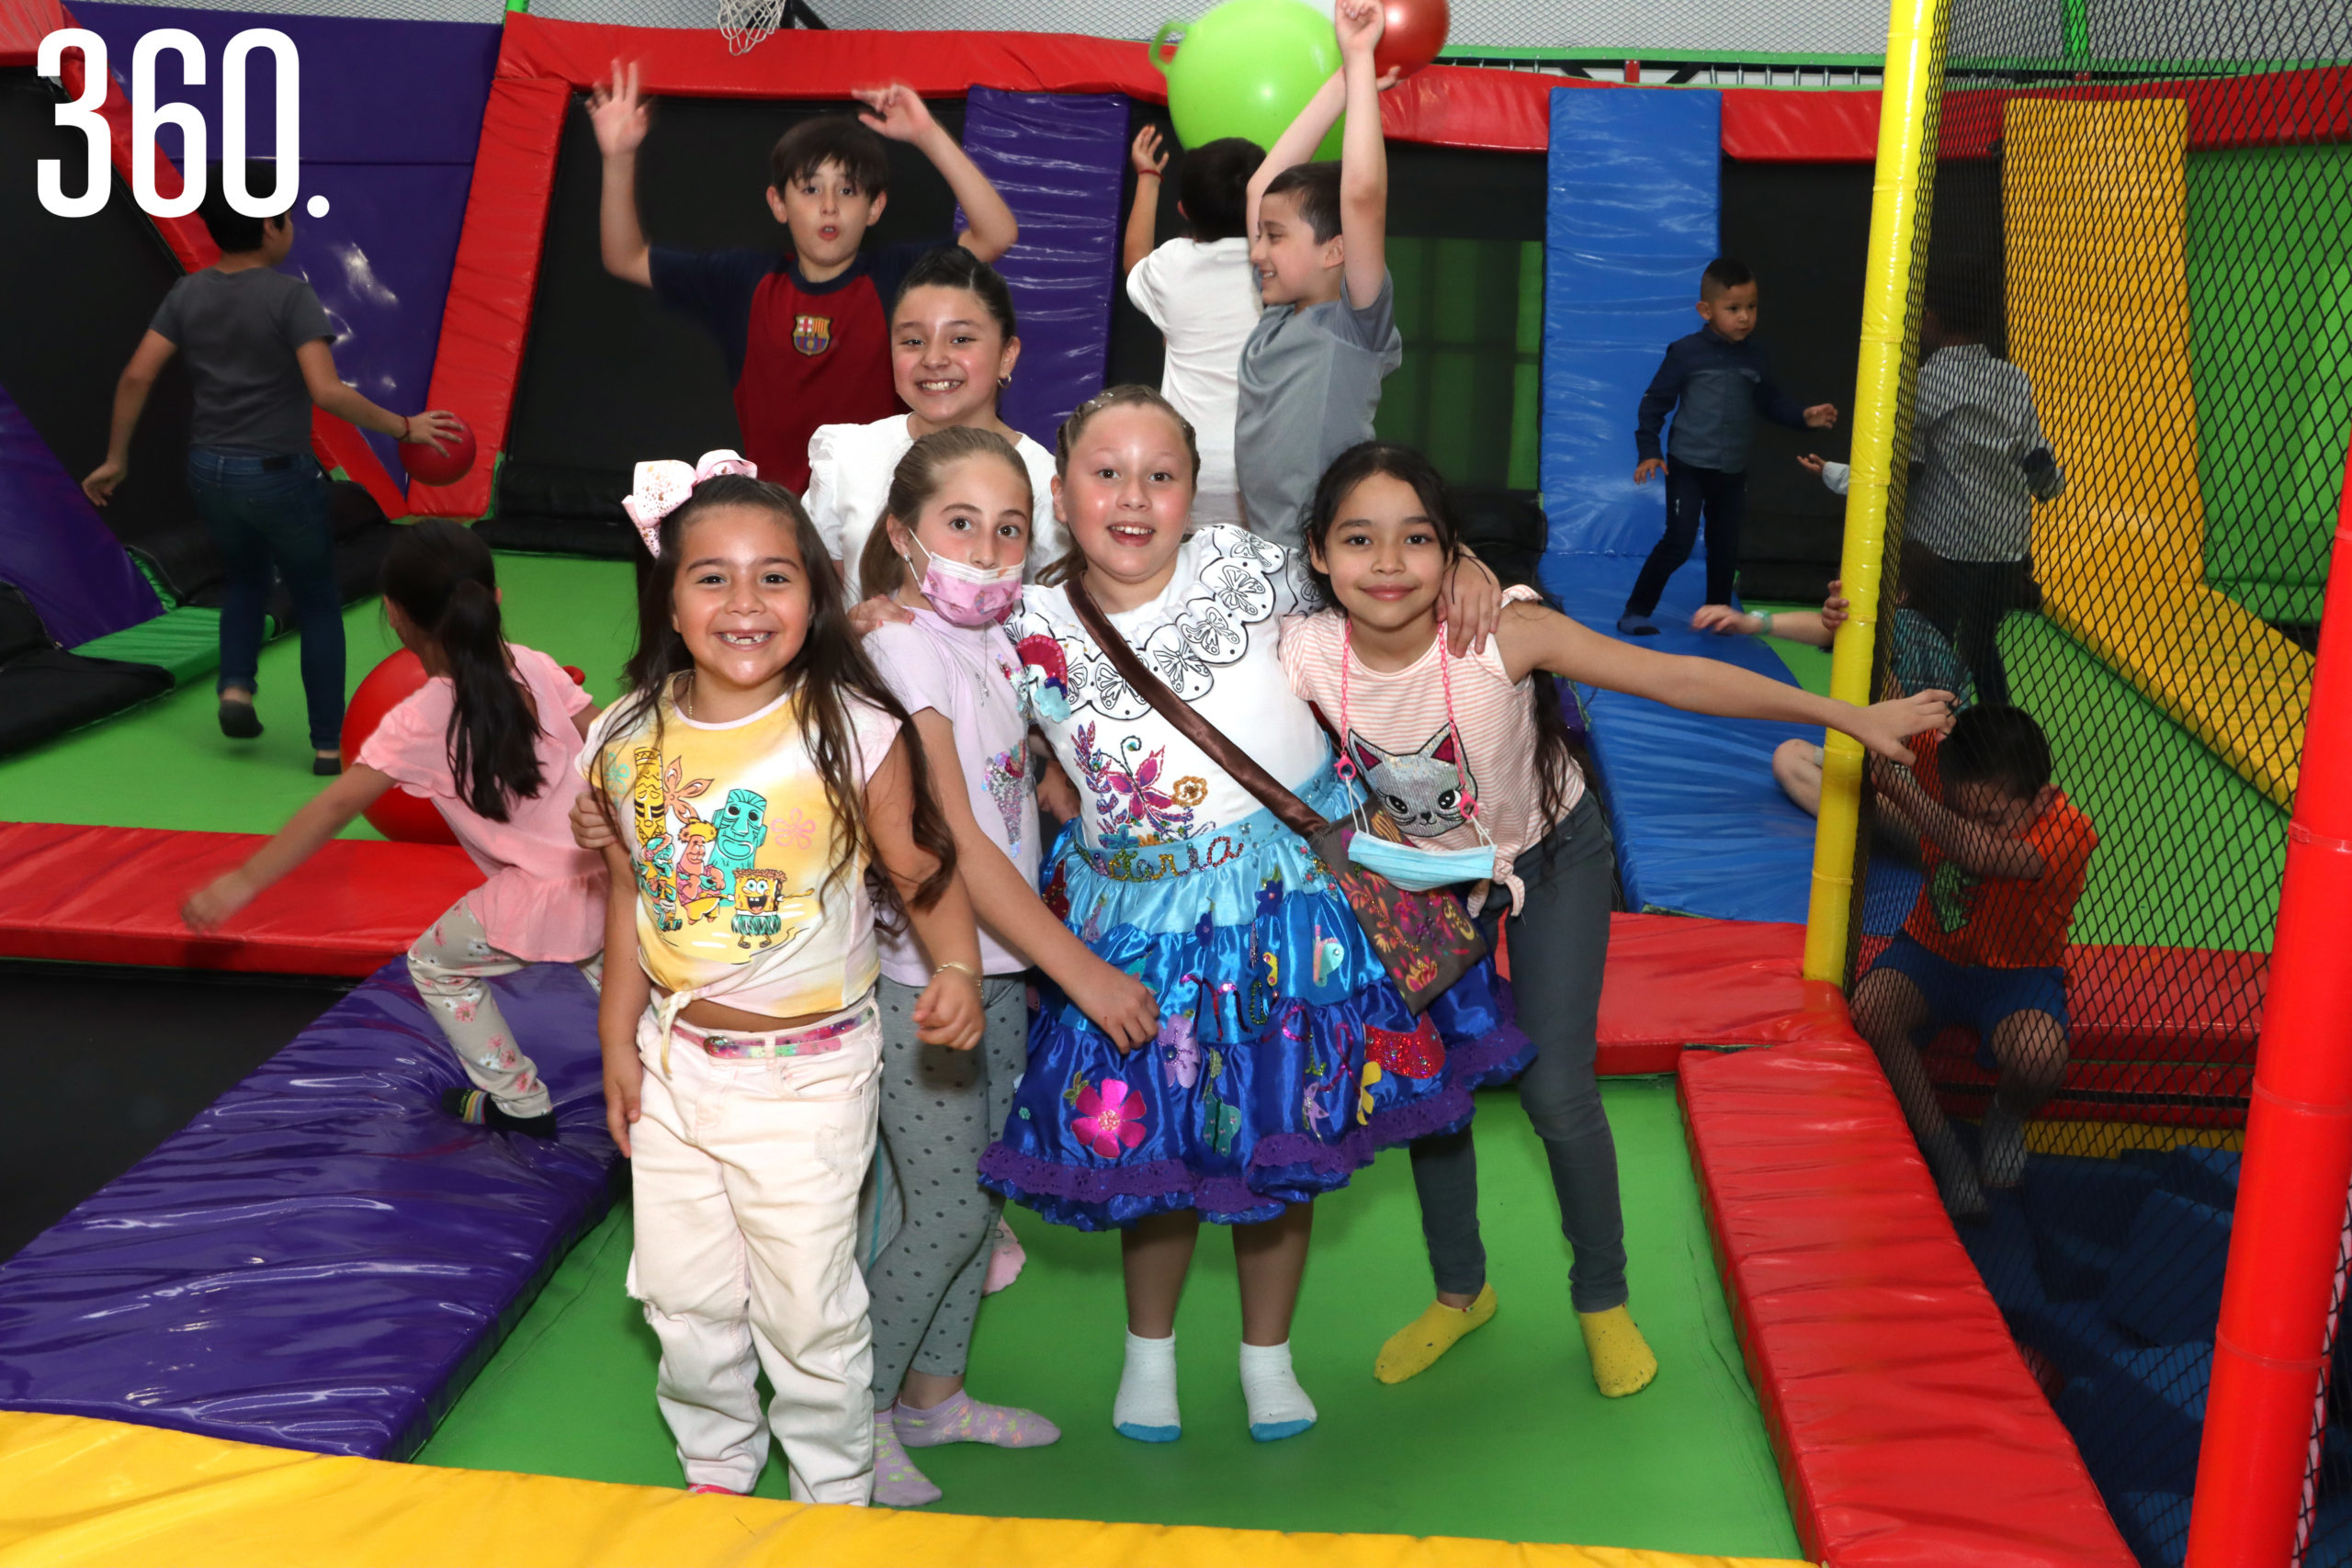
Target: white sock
1278	1406
1145	1408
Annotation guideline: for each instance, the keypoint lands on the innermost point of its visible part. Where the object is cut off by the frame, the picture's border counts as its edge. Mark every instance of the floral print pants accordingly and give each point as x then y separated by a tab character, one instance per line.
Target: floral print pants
452	964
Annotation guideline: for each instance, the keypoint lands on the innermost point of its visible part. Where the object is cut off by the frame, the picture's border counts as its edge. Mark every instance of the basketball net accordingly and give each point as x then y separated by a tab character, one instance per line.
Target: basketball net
746	23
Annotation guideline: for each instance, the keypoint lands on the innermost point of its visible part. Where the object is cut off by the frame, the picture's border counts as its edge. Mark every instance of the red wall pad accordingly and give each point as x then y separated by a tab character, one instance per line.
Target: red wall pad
488	316
1674	981
113	896
2279	108
1908	1430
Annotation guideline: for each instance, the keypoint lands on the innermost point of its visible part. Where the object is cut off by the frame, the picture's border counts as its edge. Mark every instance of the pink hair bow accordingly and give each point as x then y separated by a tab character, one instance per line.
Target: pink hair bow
663	485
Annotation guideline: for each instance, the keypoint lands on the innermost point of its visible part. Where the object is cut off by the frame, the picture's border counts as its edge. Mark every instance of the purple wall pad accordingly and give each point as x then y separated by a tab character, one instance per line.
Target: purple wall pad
53	546
391	113
1059	159
323	1259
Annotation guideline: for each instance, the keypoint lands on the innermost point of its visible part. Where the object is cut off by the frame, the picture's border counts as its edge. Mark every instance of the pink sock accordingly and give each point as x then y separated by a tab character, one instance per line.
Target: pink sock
962	1419
897	1483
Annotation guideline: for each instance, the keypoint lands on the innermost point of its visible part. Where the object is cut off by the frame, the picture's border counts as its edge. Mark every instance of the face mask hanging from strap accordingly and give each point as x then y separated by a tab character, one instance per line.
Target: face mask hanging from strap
1410	865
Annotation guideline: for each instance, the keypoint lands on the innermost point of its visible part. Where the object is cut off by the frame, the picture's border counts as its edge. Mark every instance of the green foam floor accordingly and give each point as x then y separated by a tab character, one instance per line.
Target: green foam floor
1505	1438
166	764
186	641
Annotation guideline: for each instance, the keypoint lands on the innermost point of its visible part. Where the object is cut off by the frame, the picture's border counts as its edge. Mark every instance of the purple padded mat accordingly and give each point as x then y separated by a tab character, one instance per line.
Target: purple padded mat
1057	158
53	546
323	1259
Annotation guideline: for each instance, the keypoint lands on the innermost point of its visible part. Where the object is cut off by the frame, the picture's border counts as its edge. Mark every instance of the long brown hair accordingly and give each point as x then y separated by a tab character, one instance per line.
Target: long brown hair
1556	753
442	576
1131	395
829	671
914	485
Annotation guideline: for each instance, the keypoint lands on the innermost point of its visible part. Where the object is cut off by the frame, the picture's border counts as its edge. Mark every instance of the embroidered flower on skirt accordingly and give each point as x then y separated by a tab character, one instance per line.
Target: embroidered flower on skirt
1285	1059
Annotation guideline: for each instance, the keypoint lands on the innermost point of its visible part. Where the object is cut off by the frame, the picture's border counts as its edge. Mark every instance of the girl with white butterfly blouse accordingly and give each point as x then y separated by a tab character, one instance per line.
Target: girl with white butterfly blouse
1470	756
1284	1058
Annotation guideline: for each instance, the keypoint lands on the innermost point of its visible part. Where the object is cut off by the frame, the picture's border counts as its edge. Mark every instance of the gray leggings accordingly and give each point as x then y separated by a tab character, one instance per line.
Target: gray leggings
940	1109
1559	940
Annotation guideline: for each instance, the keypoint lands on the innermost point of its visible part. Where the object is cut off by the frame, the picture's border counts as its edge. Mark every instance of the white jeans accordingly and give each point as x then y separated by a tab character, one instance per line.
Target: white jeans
746	1175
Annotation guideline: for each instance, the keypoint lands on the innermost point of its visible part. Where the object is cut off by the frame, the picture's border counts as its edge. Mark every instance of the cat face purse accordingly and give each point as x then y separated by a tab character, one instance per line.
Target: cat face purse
1425	940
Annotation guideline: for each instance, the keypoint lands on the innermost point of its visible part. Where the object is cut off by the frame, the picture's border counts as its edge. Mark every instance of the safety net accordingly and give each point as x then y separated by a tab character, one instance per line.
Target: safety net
2120	446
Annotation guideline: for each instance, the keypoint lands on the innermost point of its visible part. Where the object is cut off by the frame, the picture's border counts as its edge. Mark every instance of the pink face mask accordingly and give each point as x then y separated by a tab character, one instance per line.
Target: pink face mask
968	595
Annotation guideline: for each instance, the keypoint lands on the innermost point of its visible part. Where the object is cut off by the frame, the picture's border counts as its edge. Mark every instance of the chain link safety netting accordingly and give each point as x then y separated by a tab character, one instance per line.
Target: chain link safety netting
2118	456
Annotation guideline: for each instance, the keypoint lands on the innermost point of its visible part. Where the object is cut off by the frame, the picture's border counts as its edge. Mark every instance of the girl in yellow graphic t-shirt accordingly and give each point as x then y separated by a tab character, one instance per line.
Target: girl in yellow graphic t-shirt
752	775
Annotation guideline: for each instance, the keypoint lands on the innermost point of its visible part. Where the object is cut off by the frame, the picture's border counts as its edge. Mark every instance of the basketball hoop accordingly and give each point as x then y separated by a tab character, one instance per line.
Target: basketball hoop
746	23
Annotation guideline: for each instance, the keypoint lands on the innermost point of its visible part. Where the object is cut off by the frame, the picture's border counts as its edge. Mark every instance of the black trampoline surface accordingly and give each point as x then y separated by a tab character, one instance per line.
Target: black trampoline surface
110	1062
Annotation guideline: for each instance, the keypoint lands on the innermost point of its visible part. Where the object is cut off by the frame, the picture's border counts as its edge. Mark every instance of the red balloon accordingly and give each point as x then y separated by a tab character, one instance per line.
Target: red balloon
398	813
431	466
1415	30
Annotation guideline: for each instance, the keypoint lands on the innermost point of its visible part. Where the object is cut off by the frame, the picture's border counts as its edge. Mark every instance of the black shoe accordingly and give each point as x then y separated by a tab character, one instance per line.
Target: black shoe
477	1109
238	721
327	767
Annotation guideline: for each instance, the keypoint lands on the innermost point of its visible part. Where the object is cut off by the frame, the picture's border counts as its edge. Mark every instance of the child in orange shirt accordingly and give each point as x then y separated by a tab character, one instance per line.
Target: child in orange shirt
2005	854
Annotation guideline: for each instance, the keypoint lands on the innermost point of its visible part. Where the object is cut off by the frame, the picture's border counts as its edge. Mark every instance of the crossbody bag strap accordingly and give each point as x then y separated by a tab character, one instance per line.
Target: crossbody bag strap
1293	812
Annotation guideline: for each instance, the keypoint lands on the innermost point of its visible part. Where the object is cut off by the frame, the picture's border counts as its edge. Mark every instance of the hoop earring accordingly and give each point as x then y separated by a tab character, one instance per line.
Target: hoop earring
1002	383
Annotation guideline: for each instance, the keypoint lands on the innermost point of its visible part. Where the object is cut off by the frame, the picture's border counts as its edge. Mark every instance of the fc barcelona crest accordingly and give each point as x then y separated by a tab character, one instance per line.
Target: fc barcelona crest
812	334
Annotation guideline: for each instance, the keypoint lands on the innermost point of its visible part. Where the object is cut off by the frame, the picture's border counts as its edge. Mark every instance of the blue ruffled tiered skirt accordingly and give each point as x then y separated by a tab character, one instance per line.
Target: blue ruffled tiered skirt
1285	1058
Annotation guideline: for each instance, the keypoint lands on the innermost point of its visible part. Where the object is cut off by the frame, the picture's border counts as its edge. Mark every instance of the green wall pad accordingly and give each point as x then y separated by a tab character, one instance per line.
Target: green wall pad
2270	300
1504	1439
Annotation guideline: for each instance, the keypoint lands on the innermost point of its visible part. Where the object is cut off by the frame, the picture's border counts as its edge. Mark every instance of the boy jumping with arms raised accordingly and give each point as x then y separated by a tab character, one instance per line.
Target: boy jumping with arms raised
1716	383
806	334
1326	338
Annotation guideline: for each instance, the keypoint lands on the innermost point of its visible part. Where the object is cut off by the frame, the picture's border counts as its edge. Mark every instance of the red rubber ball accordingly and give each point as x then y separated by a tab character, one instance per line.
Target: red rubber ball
429	465
398	813
1412	34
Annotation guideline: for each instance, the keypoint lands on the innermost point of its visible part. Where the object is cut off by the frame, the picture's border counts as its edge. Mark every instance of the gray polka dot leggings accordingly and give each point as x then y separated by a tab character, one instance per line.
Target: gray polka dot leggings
941	1109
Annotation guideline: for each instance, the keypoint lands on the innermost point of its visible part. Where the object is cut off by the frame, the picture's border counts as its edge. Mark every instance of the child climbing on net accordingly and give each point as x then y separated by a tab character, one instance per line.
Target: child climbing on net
490	739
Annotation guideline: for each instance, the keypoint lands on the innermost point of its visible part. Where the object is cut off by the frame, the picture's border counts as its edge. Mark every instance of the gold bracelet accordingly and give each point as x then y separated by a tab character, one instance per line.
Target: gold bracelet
960	968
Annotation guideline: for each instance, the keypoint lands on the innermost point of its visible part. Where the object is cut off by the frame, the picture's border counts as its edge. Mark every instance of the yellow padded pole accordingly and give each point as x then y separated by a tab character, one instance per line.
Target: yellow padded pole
1900	192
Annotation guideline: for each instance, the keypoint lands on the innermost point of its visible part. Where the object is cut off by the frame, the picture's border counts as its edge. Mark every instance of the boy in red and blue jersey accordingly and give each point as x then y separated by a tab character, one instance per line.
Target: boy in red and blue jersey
807	334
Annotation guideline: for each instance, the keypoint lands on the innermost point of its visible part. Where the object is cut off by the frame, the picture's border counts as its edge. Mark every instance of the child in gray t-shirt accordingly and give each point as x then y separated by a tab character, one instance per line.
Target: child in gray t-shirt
1310	373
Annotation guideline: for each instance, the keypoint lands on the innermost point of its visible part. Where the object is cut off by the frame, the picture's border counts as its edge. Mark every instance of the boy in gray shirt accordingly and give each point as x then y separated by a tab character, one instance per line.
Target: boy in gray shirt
257	345
1310	373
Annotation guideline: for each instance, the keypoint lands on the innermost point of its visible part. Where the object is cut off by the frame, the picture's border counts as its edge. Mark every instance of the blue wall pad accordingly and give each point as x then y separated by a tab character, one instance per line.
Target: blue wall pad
323	1259
1059	158
1701	826
1630	222
76	574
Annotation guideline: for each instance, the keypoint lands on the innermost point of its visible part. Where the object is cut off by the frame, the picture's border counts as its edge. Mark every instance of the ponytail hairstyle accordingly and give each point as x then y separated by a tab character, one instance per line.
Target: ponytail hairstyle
953	266
445	583
1555	752
1132	395
824	676
915	485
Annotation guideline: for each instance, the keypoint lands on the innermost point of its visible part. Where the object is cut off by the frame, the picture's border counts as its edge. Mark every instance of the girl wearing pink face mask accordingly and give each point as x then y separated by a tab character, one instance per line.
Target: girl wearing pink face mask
949	553
953	348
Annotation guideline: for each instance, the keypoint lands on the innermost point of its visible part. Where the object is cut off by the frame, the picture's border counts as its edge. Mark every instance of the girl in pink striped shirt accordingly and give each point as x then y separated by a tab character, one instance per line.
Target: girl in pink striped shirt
1472	751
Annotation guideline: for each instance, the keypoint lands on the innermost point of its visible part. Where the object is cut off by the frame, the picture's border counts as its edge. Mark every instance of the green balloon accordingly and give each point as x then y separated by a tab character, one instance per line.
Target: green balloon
1246	69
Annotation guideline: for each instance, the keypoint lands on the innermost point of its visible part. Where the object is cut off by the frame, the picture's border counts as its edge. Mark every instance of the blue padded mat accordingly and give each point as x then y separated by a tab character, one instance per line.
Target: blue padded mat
323	1259
1701	826
1630	222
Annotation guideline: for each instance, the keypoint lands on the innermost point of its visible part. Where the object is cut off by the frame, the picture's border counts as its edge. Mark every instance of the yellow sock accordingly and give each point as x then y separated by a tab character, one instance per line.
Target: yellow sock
1414	1348
1623	1362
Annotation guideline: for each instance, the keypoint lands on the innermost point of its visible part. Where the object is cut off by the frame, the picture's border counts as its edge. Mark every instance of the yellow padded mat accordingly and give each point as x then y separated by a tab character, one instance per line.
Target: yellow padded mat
2094	199
75	1491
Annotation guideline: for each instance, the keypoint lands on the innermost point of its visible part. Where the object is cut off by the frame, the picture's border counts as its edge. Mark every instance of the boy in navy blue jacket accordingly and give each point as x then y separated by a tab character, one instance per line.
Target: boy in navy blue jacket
1715	383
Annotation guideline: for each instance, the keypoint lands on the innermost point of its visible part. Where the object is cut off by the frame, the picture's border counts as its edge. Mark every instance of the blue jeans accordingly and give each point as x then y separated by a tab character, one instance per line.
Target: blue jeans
268	513
1690	490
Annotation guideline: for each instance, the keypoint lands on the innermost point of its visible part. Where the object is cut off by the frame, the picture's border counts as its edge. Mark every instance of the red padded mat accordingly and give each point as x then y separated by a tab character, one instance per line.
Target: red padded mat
1908	1430
113	896
1674	980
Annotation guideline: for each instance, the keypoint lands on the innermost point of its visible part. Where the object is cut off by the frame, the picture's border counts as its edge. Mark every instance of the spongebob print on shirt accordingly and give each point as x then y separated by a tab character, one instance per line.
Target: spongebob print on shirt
728	831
